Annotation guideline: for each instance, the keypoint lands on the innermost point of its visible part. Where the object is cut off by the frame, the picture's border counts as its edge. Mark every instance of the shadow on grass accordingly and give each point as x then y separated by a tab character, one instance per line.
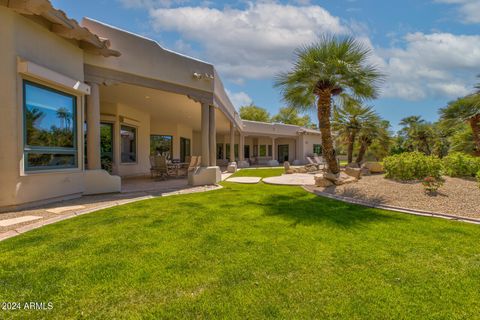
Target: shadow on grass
308	211
355	193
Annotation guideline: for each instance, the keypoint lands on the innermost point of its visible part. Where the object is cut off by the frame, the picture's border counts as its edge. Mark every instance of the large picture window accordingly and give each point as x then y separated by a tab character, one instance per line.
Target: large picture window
161	146
50	125
128	141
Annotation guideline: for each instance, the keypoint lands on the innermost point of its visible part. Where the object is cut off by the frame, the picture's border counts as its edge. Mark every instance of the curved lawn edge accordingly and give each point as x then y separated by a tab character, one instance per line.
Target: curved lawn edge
29	227
392	208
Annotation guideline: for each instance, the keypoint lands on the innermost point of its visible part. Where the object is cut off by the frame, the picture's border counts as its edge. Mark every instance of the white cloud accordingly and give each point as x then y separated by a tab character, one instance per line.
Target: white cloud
239	99
255	42
469	9
151	3
439	64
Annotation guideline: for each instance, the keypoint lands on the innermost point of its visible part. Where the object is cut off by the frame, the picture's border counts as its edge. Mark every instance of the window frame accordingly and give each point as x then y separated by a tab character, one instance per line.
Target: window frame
27	150
136	143
319	146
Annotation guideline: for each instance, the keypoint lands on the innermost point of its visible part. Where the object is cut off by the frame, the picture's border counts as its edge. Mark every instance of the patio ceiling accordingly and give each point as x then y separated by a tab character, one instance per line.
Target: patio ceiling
169	107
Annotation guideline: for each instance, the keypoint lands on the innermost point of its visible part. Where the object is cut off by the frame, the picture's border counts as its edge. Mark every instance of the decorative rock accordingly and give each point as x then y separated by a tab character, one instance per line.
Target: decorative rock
232	167
353	165
365	172
330	176
344	179
320	181
374	167
354	172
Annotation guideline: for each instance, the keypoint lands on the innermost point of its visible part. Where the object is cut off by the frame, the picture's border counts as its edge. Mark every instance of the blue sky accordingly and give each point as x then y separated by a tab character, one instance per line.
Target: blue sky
430	49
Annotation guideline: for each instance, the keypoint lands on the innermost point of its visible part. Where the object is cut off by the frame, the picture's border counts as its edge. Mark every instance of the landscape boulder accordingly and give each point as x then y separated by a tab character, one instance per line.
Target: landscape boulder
339	178
374	167
354	172
321	181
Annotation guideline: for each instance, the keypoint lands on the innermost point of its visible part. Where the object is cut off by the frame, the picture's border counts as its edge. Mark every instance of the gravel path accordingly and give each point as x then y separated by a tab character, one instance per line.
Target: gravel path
459	197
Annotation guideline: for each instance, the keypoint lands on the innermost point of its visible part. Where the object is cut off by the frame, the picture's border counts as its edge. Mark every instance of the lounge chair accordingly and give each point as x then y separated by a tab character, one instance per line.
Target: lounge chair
158	167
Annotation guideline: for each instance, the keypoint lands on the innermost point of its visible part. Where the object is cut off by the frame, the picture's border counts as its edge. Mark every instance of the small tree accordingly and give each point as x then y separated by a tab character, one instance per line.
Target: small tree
289	115
254	113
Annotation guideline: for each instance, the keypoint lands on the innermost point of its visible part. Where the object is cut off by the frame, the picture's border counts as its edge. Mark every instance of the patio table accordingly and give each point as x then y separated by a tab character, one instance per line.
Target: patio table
176	167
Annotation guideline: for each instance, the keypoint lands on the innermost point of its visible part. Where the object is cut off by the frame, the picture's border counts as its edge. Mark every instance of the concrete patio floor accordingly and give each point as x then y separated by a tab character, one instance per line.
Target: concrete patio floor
133	189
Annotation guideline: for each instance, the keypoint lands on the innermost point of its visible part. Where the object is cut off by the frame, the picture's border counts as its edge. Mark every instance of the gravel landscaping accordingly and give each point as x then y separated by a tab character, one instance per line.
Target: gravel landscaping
459	197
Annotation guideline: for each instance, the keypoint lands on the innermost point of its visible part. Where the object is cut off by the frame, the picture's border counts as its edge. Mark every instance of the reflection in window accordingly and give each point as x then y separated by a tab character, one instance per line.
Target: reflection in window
235	151
161	146
106	146
317	149
128	141
263	150
50	128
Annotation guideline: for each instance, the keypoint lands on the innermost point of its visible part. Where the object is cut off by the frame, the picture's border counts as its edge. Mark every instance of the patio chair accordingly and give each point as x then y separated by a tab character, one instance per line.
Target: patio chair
193	167
310	160
320	161
158	167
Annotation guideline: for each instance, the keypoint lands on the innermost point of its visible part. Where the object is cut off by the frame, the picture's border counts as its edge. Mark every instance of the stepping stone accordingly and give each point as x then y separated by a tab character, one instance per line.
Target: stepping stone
247	180
11	222
296	179
58	210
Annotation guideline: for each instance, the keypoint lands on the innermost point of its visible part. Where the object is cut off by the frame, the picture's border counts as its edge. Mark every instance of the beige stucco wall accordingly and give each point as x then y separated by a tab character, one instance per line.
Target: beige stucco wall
152	61
21	37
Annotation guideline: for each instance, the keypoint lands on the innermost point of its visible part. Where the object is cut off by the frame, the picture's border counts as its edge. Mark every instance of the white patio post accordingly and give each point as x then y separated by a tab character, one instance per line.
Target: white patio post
241	148
93	127
274	157
205	135
232	143
213	136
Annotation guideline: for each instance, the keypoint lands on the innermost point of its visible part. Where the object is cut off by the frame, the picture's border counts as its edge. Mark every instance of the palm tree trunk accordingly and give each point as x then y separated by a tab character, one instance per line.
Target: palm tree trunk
351	142
361	152
475	124
324	110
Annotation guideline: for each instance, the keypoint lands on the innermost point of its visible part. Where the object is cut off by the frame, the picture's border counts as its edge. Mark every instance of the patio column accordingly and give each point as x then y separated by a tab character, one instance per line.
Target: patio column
213	136
241	148
93	127
274	153
205	133
232	142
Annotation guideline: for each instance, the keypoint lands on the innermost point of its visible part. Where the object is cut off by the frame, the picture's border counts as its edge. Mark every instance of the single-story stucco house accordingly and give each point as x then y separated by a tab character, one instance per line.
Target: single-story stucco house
79	97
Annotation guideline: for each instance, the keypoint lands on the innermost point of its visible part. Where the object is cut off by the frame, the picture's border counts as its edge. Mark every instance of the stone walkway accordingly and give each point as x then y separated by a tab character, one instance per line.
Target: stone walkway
296	179
246	180
16	222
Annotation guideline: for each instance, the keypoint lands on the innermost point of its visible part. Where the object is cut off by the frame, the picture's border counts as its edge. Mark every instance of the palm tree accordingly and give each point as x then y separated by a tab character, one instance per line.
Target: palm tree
417	134
324	70
373	129
466	109
348	119
64	115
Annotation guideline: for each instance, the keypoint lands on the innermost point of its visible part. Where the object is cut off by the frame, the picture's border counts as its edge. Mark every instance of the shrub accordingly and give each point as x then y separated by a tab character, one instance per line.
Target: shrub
478	178
458	164
432	184
410	166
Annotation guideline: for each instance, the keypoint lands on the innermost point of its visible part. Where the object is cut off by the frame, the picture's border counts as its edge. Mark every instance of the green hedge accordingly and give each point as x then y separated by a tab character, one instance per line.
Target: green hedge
478	178
458	164
410	166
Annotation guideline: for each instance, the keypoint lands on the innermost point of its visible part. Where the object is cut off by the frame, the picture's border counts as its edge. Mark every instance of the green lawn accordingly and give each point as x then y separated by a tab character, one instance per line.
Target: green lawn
244	252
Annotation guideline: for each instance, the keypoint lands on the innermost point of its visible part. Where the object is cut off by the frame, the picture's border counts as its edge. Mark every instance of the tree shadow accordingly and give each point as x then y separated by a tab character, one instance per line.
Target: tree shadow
306	210
357	194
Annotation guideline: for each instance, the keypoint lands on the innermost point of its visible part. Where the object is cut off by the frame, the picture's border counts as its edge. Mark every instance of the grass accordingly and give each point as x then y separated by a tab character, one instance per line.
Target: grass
244	252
